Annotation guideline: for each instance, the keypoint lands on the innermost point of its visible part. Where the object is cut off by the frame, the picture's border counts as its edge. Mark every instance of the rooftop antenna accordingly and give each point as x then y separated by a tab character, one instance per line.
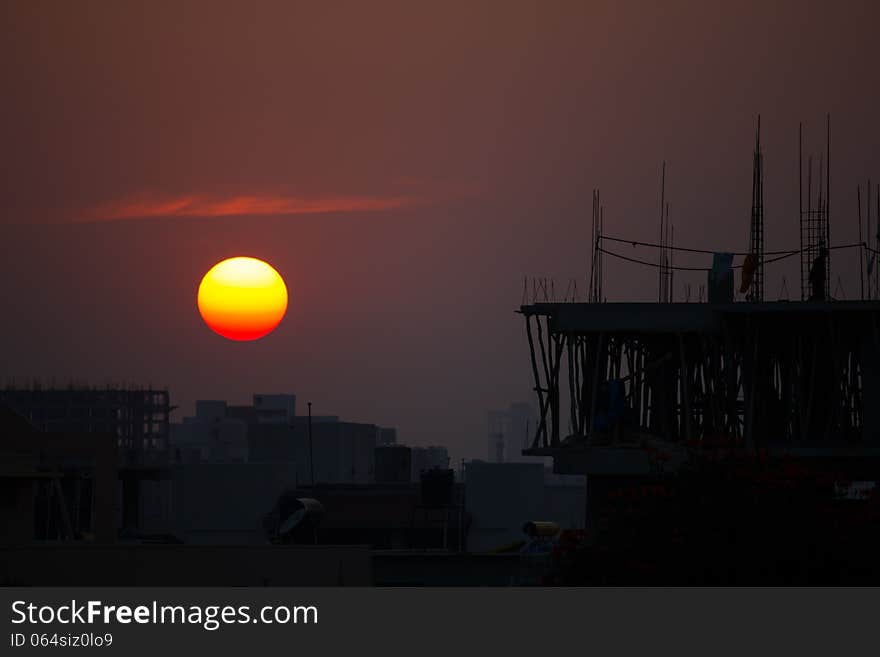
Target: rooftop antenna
861	245
756	232
601	263
671	264
594	293
876	239
801	200
827	200
815	229
311	452
662	214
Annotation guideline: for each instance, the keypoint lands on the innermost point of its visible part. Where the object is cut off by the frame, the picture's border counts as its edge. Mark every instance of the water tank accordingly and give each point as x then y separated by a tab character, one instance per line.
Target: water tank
393	464
437	487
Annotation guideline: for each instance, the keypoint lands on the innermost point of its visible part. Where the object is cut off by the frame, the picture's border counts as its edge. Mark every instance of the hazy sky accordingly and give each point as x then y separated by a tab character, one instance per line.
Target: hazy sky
403	165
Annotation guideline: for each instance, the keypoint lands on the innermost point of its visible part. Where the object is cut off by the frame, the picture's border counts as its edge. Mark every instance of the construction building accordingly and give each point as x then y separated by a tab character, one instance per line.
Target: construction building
662	404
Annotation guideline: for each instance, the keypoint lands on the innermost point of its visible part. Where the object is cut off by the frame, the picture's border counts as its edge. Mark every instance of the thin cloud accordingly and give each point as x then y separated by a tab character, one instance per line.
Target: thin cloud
142	206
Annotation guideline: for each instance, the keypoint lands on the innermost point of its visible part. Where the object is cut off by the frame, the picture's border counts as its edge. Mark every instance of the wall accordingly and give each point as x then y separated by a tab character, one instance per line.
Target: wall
220	503
502	497
184	565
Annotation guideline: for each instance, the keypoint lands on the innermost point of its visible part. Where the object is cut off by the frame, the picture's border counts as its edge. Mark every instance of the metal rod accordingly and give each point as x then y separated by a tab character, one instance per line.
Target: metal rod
662	206
311	452
862	254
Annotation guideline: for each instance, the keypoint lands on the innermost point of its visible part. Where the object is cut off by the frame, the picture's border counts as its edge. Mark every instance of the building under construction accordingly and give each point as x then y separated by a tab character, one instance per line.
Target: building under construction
138	417
722	441
86	427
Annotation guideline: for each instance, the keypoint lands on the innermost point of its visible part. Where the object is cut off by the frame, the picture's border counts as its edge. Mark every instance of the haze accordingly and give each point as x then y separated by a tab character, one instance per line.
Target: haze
404	166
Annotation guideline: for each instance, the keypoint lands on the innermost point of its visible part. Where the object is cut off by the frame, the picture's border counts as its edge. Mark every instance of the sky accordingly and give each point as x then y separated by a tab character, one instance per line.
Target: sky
404	166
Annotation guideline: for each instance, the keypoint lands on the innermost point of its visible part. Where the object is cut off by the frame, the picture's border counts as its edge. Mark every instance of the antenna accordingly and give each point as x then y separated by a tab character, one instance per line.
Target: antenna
815	229
861	245
827	201
756	232
662	210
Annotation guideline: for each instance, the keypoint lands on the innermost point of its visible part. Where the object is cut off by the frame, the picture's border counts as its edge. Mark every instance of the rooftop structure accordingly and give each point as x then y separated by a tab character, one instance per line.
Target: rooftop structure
792	375
138	417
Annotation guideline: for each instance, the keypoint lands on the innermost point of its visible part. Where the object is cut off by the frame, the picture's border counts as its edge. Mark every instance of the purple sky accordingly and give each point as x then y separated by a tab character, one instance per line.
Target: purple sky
403	165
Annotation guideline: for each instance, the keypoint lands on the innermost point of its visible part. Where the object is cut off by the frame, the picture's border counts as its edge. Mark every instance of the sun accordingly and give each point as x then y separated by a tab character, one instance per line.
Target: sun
242	298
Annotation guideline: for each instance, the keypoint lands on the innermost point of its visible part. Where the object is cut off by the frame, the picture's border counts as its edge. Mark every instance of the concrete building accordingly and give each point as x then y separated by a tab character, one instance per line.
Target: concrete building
269	431
387	516
387	436
501	497
224	503
393	464
275	409
209	436
341	452
134	419
433	457
60	564
138	417
510	431
56	486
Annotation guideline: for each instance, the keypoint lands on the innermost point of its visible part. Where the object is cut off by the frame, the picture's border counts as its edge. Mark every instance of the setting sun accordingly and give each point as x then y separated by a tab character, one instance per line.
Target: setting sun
242	298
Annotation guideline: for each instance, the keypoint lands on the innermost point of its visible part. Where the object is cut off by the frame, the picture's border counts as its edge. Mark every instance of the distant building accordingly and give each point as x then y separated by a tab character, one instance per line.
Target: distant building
269	431
343	452
387	516
210	436
275	409
501	497
387	436
265	409
511	431
495	444
393	464
135	419
224	503
433	457
138	417
57	486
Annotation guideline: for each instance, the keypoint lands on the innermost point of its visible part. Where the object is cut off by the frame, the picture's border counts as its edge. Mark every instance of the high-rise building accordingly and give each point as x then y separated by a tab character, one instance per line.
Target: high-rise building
393	464
275	409
387	436
509	432
138	417
433	457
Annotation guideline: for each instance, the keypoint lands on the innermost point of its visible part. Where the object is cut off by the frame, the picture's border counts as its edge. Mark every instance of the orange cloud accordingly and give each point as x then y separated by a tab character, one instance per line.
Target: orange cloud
143	206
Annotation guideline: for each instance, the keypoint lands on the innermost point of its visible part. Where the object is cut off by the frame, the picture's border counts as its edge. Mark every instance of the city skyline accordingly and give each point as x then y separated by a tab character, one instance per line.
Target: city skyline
403	199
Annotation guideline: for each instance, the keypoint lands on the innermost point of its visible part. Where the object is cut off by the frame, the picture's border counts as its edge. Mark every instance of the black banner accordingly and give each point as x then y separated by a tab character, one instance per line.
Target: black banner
236	621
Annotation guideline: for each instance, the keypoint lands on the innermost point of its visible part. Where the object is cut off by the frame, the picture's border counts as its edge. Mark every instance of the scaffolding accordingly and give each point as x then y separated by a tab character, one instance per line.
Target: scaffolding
756	232
595	286
703	373
138	417
815	220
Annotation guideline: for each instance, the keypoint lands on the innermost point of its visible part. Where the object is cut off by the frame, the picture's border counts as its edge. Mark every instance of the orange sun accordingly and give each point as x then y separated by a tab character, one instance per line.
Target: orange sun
242	298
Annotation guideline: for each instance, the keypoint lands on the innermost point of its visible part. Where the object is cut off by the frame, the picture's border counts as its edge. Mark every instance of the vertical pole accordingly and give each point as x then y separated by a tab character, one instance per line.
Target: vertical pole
311	453
599	253
685	389
671	266
861	245
810	222
667	279
662	208
600	347
828	205
877	220
801	199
